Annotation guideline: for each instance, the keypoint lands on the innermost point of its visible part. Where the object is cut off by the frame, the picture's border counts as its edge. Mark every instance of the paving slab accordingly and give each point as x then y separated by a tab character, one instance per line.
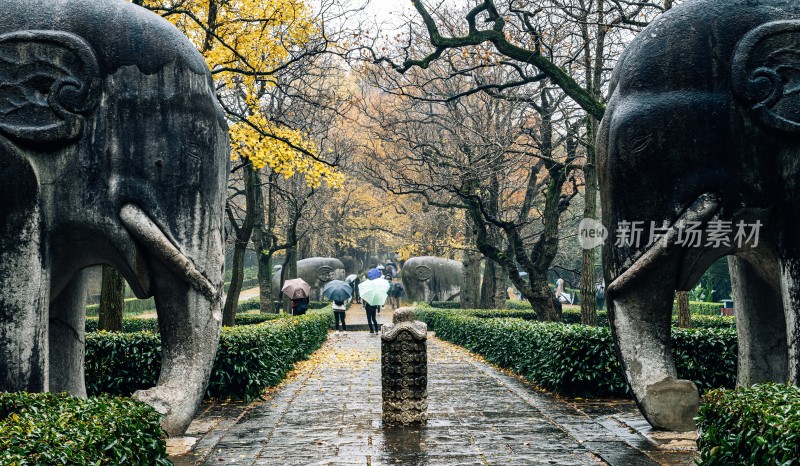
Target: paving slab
329	413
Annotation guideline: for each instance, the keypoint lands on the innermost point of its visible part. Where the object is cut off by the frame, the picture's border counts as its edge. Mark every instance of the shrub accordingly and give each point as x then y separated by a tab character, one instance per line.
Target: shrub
137	324
576	359
574	316
43	428
248	305
445	304
700	308
755	425
128	325
132	306
249	357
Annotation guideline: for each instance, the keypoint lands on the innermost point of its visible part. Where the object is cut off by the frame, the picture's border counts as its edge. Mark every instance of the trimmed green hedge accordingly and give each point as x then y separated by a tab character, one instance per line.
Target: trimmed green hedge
700	308
249	358
255	303
580	360
132	306
150	324
48	429
574	317
755	425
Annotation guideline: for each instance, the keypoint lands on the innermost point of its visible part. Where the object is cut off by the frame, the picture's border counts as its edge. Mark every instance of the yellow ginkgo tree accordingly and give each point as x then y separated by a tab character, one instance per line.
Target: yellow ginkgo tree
255	50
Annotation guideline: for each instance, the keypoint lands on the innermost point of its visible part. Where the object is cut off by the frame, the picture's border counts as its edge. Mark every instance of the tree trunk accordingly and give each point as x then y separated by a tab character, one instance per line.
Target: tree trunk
684	314
242	234
289	271
500	295
587	285
263	241
237	276
112	300
547	308
488	285
471	279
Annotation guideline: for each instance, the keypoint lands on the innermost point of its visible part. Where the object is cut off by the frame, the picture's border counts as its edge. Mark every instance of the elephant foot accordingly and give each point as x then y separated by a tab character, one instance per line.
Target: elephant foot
176	411
671	404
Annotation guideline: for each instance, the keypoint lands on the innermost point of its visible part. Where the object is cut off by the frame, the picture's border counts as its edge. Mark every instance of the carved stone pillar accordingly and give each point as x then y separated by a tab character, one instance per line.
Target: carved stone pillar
404	370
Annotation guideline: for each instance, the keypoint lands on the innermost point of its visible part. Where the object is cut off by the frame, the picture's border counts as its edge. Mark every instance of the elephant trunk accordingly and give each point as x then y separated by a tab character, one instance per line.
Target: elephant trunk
188	296
640	306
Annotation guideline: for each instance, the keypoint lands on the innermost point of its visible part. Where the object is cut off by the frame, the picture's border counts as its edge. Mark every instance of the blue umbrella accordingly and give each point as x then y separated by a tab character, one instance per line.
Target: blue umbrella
337	290
372	274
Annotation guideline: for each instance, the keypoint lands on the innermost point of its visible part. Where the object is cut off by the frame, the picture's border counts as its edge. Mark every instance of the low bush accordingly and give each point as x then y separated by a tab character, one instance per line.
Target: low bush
576	359
150	324
49	429
129	325
755	425
445	304
132	306
248	305
249	358
700	308
574	316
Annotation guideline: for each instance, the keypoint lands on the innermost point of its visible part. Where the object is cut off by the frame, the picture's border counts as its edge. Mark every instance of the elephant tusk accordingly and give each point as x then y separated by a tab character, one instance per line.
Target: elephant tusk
145	230
701	210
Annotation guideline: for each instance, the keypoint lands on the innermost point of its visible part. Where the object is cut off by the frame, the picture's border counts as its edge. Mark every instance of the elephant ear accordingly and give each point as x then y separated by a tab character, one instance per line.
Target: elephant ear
766	74
423	273
49	82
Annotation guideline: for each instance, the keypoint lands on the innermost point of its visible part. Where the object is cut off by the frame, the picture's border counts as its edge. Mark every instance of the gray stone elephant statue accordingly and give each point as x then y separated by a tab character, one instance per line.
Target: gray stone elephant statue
428	278
114	151
700	143
316	271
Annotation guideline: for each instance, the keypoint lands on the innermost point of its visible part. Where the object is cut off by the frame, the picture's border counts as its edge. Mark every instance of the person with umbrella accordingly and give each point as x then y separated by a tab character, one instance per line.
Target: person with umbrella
298	291
338	292
374	293
353	281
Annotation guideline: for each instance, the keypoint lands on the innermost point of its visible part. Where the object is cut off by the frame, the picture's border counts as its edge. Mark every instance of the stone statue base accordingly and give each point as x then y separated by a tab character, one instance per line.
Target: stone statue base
404	370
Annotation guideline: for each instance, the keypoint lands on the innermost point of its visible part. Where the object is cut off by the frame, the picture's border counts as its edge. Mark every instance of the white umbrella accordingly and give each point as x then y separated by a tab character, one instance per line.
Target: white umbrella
375	291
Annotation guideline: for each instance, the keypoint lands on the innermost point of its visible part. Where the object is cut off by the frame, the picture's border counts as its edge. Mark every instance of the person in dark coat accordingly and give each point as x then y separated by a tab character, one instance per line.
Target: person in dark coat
372	321
300	306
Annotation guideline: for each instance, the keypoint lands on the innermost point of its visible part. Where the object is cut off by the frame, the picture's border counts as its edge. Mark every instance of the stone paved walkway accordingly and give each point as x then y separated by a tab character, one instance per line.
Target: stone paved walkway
329	413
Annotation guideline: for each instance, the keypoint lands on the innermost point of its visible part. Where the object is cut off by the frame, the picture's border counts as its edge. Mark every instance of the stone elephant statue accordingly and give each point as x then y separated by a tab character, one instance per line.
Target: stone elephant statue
114	151
702	134
428	278
316	271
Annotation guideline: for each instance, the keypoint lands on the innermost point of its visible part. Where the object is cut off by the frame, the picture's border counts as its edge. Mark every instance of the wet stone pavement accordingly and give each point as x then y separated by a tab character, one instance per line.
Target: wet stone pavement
329	413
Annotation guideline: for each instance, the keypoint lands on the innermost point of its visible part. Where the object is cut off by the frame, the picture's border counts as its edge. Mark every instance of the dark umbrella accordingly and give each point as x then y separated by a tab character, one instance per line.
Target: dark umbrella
337	290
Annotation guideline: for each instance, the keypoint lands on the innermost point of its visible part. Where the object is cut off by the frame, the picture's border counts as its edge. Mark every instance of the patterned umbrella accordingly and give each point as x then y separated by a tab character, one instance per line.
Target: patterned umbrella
337	290
375	291
296	288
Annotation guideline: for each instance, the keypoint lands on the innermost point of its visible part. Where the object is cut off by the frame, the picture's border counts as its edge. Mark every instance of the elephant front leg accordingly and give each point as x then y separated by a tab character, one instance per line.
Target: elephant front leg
189	323
790	290
23	323
760	322
641	321
67	344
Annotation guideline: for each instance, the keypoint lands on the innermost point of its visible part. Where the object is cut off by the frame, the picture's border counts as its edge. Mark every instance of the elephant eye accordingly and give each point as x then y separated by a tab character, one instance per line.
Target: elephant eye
193	150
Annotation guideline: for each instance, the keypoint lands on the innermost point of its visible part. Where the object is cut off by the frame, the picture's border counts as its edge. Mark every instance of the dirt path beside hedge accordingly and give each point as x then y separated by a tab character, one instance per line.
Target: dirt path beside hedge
329	412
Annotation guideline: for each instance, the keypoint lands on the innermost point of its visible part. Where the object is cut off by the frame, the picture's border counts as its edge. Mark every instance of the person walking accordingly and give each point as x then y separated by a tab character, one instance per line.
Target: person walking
339	312
356	296
371	319
300	306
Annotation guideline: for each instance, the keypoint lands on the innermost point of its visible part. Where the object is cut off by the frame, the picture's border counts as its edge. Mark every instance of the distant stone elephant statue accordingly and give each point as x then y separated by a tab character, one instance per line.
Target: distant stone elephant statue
700	142
114	151
428	278
316	271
